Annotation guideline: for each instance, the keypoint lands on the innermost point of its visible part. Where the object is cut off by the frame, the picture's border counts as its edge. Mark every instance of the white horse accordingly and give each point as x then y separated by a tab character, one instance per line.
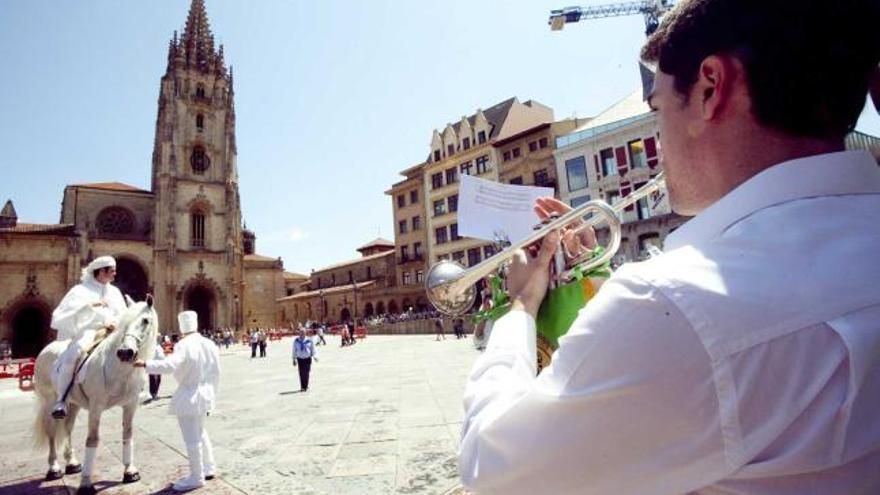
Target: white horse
104	381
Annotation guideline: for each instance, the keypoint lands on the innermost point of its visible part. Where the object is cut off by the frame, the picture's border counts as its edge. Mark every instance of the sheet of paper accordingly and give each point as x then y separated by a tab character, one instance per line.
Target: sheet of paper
491	211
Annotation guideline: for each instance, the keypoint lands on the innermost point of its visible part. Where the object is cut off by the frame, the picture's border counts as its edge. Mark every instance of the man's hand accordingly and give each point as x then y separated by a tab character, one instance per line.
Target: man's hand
139	364
529	275
294	362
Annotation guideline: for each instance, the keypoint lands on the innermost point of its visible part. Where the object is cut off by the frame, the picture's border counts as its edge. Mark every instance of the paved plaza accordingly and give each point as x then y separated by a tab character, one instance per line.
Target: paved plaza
380	417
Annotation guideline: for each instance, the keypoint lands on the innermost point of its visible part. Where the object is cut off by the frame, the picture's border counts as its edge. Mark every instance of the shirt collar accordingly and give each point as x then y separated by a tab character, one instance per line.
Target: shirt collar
831	174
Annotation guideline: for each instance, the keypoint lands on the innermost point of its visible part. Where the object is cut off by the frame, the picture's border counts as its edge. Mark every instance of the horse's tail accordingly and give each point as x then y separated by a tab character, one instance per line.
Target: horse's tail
43	424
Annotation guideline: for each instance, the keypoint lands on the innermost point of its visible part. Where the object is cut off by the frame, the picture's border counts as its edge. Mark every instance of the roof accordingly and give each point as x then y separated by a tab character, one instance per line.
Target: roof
294	275
357	260
495	115
8	210
519	135
377	242
625	111
112	186
327	291
40	228
258	257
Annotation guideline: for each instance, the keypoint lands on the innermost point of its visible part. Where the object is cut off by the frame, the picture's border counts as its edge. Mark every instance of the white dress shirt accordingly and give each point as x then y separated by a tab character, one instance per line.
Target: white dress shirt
743	360
195	363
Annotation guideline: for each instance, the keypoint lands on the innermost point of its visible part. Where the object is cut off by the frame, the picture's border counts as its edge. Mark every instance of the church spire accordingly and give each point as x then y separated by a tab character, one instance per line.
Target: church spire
197	42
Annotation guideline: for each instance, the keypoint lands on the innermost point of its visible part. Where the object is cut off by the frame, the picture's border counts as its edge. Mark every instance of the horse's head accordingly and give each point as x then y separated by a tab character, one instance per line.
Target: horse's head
139	325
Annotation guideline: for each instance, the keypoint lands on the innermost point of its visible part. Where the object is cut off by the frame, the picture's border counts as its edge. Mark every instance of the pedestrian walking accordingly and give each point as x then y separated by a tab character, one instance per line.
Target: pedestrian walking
320	333
255	341
156	379
303	354
195	364
438	328
262	342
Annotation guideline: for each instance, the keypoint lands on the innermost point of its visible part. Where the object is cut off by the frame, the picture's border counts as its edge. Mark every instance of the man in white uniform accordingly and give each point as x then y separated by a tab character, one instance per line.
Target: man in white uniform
195	364
92	304
746	358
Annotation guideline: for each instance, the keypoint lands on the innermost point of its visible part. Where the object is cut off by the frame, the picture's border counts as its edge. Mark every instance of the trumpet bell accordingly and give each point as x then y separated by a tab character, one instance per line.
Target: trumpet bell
443	295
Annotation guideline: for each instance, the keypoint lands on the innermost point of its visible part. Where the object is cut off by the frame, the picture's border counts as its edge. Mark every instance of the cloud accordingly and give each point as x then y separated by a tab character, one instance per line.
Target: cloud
296	234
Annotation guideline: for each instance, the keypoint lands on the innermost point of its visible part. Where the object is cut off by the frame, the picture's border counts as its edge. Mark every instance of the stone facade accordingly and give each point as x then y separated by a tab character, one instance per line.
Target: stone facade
182	240
410	231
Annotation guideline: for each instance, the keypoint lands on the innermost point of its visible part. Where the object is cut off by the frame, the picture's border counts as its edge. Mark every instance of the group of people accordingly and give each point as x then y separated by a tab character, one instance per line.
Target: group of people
258	339
222	336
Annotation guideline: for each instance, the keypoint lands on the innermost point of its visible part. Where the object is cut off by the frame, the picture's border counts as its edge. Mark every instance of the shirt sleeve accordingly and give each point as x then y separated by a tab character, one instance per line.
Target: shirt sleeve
628	404
166	366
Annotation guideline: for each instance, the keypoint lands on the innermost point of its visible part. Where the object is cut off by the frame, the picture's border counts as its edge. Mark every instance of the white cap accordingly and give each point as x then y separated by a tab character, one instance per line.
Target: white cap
188	321
97	263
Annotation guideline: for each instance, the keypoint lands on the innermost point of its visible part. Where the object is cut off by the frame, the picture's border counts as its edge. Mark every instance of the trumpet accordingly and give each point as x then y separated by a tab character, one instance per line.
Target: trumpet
451	288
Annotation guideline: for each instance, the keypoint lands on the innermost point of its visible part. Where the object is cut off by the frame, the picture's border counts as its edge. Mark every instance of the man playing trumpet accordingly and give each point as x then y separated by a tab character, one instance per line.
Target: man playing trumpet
746	357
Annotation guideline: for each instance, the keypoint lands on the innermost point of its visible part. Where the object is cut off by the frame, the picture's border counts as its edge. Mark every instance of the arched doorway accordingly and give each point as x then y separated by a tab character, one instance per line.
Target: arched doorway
392	307
131	278
407	304
201	300
421	305
30	331
380	308
368	310
345	315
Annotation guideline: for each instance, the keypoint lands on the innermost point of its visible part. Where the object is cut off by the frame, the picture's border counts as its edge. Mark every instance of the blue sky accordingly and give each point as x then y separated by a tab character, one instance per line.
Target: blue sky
333	98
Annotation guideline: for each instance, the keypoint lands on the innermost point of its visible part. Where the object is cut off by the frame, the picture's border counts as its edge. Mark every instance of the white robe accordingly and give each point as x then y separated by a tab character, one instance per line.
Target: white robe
195	364
75	312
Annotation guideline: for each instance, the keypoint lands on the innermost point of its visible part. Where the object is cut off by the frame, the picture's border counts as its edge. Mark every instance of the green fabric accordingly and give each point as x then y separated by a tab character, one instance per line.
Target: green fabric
559	309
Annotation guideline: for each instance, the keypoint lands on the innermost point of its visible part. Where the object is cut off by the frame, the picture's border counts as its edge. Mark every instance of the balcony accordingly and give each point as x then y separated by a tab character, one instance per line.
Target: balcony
409	259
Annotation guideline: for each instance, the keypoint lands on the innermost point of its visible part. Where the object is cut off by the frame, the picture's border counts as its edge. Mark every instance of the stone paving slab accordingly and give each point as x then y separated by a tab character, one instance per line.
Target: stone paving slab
381	417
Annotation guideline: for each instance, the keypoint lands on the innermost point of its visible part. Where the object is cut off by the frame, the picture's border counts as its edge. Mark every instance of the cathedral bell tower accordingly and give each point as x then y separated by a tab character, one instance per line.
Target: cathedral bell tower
197	241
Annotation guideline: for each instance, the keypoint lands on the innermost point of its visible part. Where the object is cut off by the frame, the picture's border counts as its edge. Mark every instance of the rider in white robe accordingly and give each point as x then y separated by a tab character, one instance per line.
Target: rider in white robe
195	364
92	304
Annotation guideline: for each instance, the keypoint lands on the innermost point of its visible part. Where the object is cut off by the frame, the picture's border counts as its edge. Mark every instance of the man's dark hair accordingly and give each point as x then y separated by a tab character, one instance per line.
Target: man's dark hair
807	63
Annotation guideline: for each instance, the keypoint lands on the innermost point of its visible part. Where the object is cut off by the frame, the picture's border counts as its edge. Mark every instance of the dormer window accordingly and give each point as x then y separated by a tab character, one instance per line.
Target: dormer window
481	137
437	155
450	150
466	143
200	122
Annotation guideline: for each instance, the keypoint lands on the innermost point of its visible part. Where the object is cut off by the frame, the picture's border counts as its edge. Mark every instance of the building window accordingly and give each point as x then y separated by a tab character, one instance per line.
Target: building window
200	122
516	180
420	276
333	280
482	164
505	157
481	137
488	251
451	176
115	220
417	223
542	178
515	152
466	143
466	168
612	197
401	226
200	91
439	207
458	256
450	149
197	230
417	250
575	202
436	180
440	235
199	160
643	208
289	292
452	203
576	170
414	196
609	163
404	253
473	256
401	200
437	155
369	273
637	156
453	232
542	143
407	278
533	146
350	277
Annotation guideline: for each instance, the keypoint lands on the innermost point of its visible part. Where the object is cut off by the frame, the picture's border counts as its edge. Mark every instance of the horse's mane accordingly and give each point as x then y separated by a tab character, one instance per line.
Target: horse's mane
147	344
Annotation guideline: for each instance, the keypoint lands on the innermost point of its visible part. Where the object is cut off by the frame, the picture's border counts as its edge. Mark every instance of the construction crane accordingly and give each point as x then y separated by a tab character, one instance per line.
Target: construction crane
651	9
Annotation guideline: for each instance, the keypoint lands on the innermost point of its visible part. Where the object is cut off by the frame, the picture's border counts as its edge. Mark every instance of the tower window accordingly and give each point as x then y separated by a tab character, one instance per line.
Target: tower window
198	229
200	122
199	160
200	91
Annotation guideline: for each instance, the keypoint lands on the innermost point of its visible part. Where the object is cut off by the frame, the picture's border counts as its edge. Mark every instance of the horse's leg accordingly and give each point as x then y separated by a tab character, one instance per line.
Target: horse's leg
50	428
130	475
73	466
85	484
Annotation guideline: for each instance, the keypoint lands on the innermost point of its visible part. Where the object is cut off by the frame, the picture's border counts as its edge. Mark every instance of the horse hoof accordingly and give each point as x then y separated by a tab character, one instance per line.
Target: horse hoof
73	468
54	474
131	477
86	490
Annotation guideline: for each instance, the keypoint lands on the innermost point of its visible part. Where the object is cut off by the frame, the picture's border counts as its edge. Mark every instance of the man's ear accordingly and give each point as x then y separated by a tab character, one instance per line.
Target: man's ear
714	87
